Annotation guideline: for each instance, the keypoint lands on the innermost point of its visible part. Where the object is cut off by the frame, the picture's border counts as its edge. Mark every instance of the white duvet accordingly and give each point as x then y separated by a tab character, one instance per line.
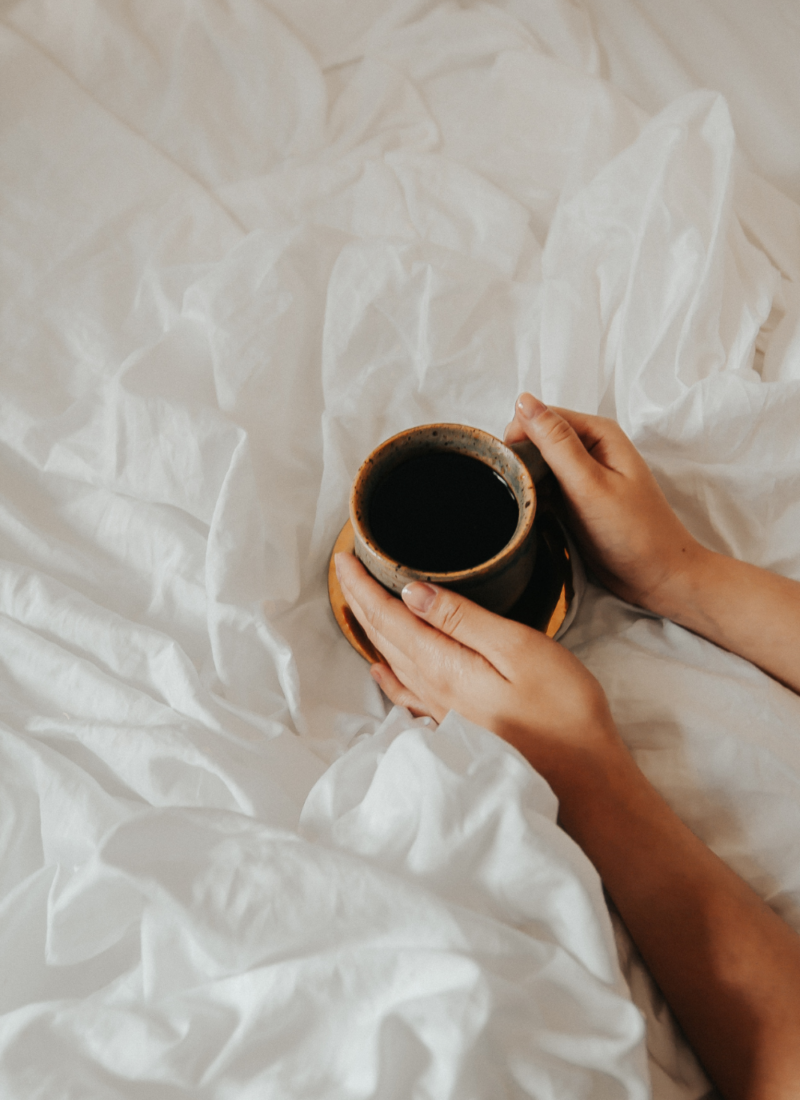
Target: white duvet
240	244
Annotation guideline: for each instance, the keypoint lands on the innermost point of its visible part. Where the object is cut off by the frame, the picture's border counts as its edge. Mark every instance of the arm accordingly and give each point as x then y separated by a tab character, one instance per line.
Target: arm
728	966
641	551
742	608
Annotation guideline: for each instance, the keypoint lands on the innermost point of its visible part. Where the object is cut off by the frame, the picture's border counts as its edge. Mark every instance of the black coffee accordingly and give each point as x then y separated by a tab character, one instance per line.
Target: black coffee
442	511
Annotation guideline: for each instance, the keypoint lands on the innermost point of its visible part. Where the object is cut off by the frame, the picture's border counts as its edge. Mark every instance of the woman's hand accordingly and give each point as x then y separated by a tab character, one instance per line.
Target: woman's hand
638	547
629	535
727	964
444	652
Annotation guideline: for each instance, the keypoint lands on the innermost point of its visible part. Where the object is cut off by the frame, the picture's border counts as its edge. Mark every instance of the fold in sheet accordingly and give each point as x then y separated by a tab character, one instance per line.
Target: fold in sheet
426	927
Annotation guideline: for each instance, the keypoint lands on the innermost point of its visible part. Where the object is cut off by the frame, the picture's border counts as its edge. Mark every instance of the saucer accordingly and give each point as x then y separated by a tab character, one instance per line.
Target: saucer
543	605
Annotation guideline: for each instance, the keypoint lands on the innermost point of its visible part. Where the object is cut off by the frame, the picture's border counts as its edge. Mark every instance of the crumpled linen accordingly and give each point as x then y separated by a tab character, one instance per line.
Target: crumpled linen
424	929
242	244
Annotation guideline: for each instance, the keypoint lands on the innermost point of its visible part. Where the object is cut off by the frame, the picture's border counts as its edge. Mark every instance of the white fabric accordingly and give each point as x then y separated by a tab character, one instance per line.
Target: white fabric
240	244
655	52
424	929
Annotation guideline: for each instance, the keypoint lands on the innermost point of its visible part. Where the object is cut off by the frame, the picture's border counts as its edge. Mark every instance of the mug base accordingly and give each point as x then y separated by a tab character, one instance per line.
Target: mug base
544	605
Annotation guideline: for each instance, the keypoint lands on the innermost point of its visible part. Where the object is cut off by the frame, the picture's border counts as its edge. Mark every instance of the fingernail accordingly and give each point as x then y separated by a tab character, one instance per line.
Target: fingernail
375	673
529	405
419	596
336	560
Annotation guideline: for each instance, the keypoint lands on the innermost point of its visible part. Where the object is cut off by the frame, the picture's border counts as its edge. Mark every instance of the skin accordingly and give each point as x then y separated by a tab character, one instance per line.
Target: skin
727	964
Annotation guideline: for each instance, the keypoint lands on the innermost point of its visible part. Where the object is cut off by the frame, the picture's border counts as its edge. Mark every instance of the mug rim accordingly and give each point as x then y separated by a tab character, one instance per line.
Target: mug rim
418	434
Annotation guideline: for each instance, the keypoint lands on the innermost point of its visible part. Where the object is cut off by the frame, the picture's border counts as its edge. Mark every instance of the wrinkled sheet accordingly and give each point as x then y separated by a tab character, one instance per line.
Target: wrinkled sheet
240	244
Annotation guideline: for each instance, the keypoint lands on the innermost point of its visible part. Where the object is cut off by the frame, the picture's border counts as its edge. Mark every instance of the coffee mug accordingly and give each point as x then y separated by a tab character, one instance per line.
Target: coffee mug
452	505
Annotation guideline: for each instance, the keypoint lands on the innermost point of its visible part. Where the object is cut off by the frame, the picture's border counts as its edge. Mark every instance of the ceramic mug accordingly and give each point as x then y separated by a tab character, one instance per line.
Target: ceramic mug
496	583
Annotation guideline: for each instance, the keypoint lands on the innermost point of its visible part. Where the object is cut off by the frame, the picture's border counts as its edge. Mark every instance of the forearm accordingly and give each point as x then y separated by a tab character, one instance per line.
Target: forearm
740	607
727	965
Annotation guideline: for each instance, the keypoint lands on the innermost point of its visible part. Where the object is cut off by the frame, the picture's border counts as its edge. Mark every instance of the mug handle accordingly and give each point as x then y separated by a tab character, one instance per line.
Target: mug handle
531	456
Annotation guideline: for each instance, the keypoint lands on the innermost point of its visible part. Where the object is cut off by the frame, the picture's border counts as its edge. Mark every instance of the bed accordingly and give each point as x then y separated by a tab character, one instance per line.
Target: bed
241	243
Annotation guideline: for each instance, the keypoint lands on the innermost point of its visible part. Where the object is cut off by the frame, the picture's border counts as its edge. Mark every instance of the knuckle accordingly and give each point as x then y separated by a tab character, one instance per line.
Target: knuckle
451	615
557	429
610	428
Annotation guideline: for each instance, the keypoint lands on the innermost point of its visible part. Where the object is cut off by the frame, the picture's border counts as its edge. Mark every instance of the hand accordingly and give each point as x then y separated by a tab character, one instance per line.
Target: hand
444	652
629	535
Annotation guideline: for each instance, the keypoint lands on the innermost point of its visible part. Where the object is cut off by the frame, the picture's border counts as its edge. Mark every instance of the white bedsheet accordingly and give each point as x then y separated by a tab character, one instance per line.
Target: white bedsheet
240	244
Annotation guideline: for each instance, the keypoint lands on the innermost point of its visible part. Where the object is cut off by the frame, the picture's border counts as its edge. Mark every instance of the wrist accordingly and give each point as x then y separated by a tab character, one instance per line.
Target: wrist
678	596
595	791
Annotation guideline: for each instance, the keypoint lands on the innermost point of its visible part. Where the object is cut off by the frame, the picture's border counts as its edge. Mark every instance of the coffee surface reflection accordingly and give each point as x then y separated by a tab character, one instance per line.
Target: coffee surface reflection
441	512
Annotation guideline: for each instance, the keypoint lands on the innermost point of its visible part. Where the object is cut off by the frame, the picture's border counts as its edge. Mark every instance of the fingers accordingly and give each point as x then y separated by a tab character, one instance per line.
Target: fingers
457	617
389	625
603	439
428	649
487	635
561	447
402	696
417	652
548	426
453	615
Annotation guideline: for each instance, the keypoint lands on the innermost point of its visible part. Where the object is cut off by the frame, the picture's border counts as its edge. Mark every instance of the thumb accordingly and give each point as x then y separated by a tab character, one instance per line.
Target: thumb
557	440
472	626
450	612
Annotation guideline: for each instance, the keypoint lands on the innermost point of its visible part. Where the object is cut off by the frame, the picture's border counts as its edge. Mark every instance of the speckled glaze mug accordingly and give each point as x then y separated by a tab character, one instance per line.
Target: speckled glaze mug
496	583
